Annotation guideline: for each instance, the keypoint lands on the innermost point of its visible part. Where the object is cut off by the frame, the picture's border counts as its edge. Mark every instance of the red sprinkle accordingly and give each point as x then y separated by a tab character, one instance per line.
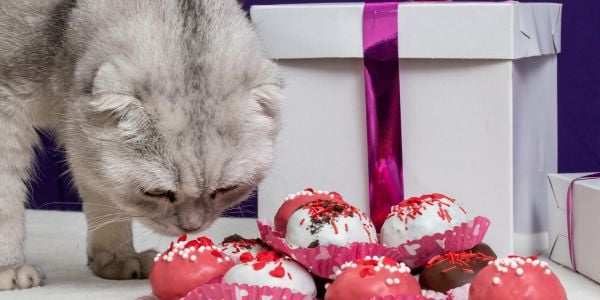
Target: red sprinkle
460	260
278	272
217	253
412	207
246	257
182	238
335	229
259	265
366	272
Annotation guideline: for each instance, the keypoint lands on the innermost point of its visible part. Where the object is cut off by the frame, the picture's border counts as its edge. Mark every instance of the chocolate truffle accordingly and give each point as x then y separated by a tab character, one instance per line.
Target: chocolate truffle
269	268
417	217
364	279
293	201
516	278
187	265
326	222
455	269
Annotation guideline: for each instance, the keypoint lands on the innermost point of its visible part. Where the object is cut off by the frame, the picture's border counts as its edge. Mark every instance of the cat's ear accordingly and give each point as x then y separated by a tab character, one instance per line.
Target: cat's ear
113	104
270	98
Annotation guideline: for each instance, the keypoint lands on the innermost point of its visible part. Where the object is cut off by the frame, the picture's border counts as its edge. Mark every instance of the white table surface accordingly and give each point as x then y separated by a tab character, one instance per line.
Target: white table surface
56	242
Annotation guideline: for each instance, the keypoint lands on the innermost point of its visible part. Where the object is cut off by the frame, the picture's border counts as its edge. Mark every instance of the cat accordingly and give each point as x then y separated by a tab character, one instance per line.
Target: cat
168	112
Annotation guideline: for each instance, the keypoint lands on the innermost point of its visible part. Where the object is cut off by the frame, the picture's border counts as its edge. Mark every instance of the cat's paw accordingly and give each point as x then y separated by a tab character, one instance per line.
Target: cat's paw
108	265
20	277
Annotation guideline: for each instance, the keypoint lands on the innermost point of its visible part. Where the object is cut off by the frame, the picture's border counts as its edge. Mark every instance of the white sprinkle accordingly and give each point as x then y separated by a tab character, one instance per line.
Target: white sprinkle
331	196
397	280
219	260
520	271
156	259
165	257
193	258
226	258
496	281
377	269
535	262
170	259
389	281
547	272
338	272
185	256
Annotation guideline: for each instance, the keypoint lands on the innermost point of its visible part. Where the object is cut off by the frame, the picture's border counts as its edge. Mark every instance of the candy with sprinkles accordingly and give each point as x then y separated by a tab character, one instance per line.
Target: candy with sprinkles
236	246
187	265
270	269
454	269
371	277
293	201
516	278
417	217
327	222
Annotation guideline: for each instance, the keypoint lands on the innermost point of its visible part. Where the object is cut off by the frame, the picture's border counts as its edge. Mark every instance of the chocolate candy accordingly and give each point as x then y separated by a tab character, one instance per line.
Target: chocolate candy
455	269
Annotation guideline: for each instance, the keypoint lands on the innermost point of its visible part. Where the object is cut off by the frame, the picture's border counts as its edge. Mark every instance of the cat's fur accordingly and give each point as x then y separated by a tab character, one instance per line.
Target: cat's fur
146	96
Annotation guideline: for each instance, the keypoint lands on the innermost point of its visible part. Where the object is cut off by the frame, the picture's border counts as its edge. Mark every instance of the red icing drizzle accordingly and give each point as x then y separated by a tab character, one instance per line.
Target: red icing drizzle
412	207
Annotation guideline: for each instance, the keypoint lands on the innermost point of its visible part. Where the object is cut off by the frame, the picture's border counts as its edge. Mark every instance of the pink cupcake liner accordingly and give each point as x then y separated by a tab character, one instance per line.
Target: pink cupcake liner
460	238
402	297
459	293
433	295
324	261
243	292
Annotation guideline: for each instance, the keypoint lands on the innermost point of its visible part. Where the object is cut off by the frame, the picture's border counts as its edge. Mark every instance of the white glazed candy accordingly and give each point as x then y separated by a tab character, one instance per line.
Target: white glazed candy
326	222
268	268
417	217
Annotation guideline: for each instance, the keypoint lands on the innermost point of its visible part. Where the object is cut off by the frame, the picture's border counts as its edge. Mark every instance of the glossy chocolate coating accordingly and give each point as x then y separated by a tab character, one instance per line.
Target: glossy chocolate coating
452	270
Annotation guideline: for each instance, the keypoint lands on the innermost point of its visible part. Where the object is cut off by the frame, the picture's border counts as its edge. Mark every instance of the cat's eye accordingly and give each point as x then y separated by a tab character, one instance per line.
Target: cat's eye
160	193
224	190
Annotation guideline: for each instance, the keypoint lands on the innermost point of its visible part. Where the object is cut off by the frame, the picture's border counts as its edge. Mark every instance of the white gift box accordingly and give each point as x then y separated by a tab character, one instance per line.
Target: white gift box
478	89
586	205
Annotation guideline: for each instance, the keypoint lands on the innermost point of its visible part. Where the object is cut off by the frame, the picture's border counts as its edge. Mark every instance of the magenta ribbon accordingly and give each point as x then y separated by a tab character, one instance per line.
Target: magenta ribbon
570	225
382	94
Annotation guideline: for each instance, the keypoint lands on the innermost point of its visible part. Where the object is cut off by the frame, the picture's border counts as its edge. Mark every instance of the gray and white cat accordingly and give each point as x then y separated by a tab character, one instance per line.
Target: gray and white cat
168	112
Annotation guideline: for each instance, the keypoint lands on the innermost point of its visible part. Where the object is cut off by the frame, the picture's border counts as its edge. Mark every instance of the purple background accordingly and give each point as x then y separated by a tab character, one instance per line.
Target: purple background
578	108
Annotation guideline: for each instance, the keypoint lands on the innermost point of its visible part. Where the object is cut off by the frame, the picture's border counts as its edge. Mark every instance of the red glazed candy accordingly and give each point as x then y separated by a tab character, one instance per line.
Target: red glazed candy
185	266
516	278
371	277
293	201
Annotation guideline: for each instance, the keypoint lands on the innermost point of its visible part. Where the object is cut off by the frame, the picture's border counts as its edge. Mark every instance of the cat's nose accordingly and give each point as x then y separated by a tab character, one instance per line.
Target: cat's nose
191	229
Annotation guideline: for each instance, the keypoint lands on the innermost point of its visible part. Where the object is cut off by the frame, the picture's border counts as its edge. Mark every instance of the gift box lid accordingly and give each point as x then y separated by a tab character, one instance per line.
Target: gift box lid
477	30
559	184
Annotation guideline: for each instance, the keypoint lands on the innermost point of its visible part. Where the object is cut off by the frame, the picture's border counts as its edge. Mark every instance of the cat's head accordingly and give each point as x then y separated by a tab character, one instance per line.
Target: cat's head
173	124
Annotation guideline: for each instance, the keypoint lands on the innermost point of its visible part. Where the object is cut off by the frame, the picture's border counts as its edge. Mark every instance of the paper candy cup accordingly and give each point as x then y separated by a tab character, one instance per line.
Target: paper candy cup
459	293
460	238
243	292
323	261
400	298
433	295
